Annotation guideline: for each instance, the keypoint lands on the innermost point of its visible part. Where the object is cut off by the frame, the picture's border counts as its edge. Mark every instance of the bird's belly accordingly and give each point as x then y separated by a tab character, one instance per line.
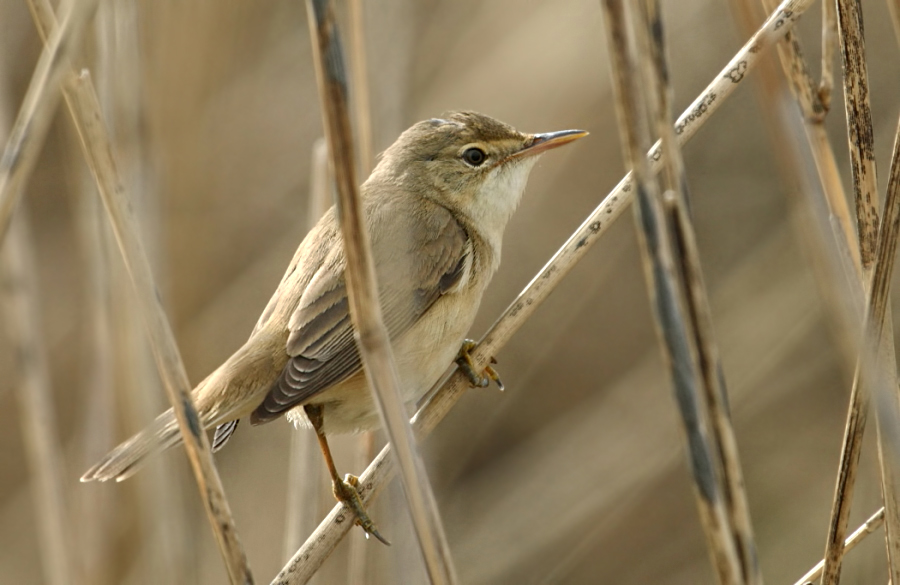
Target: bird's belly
422	355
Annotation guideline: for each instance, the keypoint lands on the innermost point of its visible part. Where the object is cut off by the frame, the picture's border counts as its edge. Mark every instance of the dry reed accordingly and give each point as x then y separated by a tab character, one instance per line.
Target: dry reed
672	269
365	309
33	121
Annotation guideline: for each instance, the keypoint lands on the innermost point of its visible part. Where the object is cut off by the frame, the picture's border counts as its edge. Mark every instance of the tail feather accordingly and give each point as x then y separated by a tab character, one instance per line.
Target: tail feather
123	461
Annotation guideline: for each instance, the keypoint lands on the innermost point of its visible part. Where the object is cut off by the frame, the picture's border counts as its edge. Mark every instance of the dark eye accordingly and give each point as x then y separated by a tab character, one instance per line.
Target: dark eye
474	156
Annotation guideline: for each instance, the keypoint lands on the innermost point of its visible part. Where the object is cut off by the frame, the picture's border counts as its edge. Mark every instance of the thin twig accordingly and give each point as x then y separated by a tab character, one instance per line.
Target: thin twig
365	308
39	104
862	164
37	413
867	528
799	80
97	516
333	528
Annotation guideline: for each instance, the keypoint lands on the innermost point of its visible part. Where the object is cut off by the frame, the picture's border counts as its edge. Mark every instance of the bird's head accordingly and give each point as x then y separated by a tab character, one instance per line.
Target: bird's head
470	163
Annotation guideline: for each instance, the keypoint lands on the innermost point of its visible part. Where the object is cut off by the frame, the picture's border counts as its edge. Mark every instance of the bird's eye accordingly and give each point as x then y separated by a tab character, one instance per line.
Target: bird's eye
474	156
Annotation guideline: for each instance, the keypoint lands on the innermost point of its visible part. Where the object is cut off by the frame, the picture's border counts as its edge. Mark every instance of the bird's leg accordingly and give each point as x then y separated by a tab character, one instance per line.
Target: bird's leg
344	489
467	366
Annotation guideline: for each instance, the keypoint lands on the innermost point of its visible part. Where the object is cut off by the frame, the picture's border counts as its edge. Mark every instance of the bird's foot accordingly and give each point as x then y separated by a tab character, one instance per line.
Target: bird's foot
467	366
346	491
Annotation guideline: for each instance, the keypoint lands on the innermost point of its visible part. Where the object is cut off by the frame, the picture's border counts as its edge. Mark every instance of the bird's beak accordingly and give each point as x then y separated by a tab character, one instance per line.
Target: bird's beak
542	142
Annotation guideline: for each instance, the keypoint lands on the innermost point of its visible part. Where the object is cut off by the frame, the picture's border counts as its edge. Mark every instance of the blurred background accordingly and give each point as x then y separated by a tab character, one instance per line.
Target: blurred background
575	474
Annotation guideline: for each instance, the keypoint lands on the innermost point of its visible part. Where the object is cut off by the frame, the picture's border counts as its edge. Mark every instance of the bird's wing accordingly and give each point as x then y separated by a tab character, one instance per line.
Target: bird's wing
413	270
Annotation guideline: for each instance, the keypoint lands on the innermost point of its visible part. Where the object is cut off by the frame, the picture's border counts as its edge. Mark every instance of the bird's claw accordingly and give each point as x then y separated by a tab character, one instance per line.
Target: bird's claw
346	491
467	366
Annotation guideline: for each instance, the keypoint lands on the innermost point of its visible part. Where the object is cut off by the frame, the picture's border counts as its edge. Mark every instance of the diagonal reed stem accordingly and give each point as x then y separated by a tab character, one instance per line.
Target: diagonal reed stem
365	309
333	527
39	104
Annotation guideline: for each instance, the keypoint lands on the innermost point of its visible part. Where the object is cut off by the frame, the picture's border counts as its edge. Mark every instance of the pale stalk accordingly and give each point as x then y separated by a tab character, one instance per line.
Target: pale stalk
365	308
39	104
357	561
672	271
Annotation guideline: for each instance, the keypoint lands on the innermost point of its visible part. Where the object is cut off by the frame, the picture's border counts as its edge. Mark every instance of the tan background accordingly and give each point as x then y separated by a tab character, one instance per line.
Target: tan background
576	474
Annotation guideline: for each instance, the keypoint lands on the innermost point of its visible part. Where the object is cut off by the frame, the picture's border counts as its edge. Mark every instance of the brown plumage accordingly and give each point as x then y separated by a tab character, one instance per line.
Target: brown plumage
436	206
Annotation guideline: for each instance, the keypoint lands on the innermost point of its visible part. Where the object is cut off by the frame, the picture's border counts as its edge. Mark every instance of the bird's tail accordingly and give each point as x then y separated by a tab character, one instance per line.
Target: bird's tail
123	461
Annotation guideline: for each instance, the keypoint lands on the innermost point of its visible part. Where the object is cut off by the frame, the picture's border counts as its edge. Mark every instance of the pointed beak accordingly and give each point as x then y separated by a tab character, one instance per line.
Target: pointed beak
543	142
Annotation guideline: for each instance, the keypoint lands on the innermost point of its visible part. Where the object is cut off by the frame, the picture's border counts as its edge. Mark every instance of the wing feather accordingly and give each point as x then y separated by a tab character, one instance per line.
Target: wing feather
420	253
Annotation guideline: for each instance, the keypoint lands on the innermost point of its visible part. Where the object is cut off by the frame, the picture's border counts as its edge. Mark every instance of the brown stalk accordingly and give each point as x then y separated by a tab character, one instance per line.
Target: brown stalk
862	164
37	412
39	104
365	308
694	289
859	126
333	528
678	294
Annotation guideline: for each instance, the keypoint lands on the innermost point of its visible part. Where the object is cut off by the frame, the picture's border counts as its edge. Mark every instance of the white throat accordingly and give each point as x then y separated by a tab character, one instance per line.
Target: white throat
497	199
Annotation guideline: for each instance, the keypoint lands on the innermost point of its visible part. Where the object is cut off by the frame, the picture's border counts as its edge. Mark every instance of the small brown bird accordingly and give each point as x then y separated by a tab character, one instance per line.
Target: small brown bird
435	206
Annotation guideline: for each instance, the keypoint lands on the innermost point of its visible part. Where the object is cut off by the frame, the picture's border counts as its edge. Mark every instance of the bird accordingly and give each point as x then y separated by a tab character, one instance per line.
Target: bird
436	206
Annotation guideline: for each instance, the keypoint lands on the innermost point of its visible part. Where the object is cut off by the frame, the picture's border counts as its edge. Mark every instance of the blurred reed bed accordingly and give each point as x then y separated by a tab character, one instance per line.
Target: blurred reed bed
574	475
